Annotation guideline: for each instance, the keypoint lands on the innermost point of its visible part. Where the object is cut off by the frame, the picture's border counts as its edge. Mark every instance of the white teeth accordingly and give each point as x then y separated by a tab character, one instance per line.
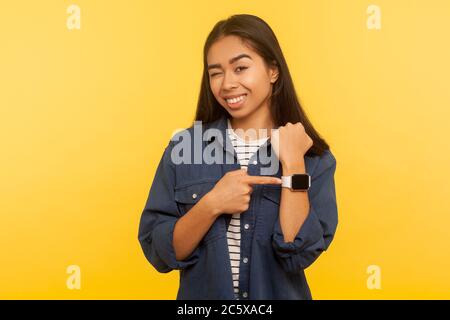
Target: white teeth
235	100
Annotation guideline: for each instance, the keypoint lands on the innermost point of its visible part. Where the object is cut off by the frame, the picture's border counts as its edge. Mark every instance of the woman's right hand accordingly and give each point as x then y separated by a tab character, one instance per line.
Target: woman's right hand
231	194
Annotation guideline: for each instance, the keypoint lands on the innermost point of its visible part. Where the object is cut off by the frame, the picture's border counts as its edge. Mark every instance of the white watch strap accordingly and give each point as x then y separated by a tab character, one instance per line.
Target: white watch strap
286	181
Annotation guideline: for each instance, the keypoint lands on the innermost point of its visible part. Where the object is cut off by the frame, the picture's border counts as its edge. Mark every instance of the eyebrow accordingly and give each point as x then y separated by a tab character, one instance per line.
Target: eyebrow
232	60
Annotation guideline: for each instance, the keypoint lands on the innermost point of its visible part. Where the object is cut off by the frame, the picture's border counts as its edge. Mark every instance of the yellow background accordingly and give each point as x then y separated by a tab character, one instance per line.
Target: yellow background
85	116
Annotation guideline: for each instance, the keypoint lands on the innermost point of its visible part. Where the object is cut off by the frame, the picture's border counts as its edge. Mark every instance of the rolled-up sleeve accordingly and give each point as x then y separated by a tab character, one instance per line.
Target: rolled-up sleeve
318	229
158	220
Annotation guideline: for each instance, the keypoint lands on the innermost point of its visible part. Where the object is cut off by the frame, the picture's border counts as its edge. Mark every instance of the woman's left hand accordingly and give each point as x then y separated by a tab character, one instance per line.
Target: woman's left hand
290	143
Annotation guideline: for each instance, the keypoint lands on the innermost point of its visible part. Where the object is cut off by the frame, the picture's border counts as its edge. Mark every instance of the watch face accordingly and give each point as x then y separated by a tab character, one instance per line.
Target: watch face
300	181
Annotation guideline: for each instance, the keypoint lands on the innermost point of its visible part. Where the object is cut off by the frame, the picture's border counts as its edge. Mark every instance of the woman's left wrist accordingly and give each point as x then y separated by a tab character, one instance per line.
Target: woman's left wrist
291	167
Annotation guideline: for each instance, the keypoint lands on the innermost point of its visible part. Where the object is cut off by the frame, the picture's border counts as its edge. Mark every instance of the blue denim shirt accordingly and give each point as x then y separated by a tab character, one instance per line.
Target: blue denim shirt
273	269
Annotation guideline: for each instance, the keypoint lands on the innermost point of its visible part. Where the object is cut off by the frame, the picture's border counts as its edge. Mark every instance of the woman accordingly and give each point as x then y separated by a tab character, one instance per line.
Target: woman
233	231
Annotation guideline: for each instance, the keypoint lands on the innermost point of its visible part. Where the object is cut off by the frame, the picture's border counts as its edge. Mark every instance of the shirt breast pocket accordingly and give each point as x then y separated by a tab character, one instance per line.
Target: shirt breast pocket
188	195
268	212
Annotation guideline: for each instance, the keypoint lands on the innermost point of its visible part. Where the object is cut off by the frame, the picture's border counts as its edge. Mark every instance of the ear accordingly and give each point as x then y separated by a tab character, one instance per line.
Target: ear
274	72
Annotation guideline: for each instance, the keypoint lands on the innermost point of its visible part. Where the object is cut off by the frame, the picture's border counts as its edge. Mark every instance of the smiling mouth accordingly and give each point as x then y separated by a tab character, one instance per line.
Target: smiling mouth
235	102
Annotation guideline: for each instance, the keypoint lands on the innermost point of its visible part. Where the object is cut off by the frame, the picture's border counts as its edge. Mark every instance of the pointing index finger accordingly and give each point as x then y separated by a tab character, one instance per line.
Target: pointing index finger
263	180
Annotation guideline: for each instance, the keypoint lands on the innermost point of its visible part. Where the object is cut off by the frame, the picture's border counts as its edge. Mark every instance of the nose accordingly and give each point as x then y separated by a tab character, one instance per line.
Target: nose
229	82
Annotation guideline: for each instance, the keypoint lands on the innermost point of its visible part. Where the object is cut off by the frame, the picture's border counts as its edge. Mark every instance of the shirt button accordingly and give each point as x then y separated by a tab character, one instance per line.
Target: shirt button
245	260
255	162
194	196
245	294
246	226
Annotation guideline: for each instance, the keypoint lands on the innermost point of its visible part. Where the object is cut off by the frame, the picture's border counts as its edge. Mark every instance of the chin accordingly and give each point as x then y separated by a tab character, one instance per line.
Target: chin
241	113
238	114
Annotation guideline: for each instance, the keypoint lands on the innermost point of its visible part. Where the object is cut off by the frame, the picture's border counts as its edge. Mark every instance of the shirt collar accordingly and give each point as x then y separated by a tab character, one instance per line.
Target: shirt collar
221	125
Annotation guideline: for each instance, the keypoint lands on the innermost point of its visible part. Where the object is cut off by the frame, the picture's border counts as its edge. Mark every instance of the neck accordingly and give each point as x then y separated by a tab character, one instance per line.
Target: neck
255	126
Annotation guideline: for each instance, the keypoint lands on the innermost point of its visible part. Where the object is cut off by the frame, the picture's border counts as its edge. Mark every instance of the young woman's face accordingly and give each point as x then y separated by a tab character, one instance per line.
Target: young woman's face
239	77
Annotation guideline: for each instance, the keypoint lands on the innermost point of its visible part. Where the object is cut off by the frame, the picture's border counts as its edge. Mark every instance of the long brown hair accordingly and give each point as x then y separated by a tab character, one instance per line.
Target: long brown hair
285	106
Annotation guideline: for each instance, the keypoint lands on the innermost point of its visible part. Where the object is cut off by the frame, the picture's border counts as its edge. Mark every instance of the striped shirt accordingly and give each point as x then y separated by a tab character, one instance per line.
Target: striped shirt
244	151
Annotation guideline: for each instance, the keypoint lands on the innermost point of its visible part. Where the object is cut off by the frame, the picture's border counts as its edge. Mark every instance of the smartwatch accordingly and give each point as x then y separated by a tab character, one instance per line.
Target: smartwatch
296	182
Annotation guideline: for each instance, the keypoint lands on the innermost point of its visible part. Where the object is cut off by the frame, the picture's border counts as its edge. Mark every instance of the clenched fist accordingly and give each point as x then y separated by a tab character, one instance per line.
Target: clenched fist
290	142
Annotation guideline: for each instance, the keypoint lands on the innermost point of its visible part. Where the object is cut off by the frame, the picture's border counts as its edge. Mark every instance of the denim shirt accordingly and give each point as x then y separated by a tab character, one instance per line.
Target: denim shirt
270	268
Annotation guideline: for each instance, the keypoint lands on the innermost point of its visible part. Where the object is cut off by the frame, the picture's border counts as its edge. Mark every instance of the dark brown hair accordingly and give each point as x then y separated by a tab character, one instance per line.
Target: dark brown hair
284	104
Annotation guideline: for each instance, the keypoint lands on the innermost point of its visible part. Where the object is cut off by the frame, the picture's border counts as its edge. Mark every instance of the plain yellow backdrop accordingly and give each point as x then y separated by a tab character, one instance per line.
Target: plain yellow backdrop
85	116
